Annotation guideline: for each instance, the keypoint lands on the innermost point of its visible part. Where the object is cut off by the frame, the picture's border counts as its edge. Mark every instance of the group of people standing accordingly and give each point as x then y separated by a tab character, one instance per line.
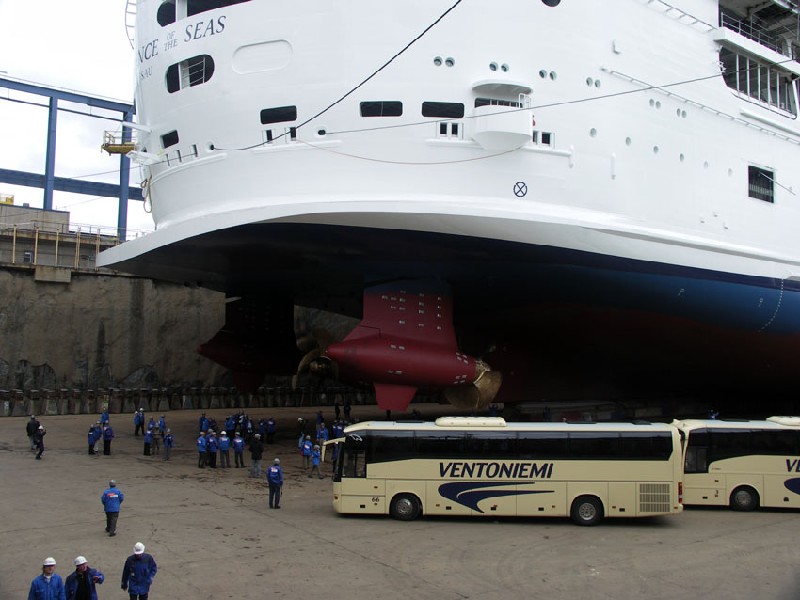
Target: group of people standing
137	576
101	430
156	435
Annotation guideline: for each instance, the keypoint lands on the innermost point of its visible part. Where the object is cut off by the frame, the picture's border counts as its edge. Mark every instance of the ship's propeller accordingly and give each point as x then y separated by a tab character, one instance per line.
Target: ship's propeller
314	360
482	391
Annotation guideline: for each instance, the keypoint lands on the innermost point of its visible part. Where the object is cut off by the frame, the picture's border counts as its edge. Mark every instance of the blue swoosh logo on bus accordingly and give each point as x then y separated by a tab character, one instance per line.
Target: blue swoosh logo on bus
470	493
793	485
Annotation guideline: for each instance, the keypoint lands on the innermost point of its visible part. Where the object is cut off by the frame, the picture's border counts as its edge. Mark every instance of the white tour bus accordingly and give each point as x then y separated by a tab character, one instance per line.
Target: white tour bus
486	466
742	464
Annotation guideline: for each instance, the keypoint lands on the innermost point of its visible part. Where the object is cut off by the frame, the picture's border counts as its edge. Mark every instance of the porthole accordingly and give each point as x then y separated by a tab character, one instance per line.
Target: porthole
493	66
628	141
589	81
437	61
449	61
597	83
543	74
705	165
504	67
656	149
551	3
682	157
321	132
553	75
593	132
652	102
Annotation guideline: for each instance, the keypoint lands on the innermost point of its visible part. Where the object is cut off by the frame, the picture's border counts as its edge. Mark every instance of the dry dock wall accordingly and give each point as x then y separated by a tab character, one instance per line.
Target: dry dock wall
97	331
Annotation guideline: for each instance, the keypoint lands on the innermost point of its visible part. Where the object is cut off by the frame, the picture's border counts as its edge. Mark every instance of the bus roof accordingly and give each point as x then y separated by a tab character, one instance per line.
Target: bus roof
770	423
444	424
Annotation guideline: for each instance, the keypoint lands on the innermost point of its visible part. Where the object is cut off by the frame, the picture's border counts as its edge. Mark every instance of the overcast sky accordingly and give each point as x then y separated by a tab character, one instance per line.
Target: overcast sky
80	46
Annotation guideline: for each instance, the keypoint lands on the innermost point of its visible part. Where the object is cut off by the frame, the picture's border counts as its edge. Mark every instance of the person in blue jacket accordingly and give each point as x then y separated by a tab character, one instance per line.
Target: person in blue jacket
108	435
307	449
138	422
138	573
112	500
169	443
91	438
48	585
148	440
224	450
201	450
204	423
275	481
81	582
211	449
238	450
316	458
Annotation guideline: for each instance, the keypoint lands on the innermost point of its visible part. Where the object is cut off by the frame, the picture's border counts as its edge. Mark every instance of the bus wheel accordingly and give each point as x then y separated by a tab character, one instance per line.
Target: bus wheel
744	498
405	507
586	510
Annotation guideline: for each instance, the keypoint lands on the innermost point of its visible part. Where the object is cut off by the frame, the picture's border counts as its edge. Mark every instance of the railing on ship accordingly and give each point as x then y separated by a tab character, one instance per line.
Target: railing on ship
130	21
774	39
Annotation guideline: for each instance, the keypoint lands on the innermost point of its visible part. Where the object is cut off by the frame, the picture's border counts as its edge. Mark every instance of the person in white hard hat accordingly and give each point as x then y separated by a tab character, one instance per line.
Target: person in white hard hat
80	584
138	573
48	585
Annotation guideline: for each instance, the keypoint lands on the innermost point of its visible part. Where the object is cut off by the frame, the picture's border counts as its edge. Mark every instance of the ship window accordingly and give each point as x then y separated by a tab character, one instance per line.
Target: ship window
765	83
194	7
761	184
169	139
279	114
379	108
542	138
166	13
443	110
449	129
496	102
189	73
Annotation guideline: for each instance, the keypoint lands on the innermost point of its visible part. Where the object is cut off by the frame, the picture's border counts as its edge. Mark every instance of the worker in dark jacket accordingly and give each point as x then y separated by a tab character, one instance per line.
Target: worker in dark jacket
38	440
30	429
81	583
138	573
108	435
256	452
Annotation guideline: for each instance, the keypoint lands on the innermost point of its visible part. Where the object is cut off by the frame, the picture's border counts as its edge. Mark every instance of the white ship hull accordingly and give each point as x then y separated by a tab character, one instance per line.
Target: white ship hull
600	150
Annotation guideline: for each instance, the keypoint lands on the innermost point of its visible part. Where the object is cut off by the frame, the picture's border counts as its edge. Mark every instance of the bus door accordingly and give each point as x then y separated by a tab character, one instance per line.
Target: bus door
360	494
699	485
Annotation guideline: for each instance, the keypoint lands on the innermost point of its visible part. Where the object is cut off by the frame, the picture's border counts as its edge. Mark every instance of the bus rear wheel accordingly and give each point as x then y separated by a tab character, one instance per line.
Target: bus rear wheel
405	507
586	510
744	498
